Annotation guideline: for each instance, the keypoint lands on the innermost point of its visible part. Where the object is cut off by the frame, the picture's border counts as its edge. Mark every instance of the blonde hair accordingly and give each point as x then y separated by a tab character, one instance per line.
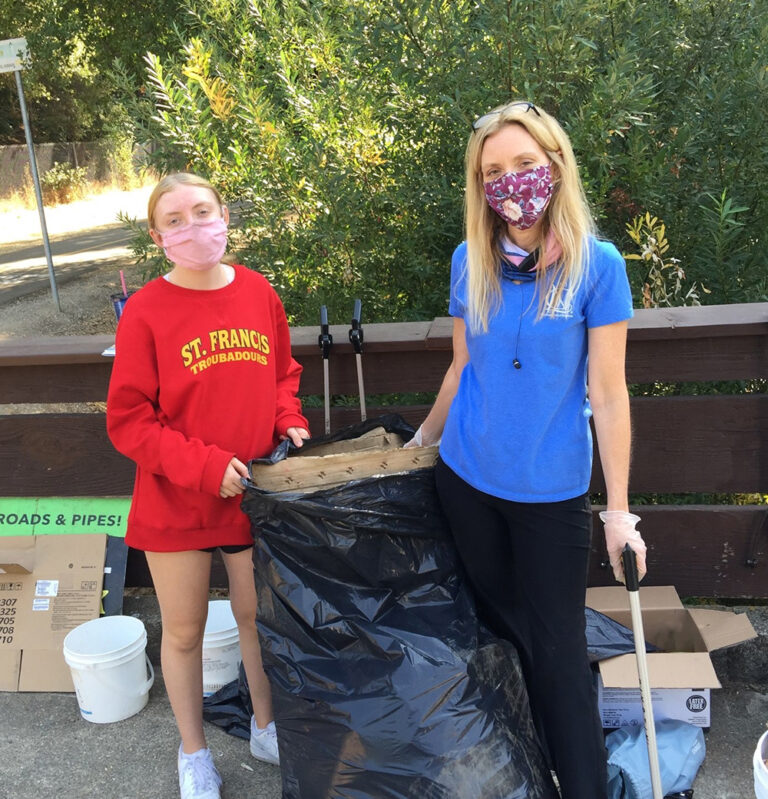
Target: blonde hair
567	216
169	183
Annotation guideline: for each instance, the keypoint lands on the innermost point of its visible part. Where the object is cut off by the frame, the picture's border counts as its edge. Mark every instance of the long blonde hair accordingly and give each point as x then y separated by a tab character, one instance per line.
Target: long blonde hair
169	183
567	216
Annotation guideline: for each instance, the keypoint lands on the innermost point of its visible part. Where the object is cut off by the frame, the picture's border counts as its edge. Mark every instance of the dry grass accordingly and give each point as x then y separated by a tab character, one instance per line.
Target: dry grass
23	198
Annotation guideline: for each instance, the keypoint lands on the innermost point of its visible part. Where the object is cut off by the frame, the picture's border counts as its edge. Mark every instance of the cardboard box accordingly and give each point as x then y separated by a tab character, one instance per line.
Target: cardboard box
48	585
682	673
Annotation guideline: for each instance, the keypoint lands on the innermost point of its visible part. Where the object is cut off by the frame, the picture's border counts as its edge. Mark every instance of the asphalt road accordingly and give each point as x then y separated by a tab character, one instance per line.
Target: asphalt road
24	269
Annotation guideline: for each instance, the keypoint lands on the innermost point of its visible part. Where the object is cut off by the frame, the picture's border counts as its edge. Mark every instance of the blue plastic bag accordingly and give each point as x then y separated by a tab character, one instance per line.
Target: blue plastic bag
681	753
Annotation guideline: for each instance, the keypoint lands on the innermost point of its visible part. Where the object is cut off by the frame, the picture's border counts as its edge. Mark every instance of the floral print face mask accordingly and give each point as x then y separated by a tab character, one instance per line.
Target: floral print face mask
520	198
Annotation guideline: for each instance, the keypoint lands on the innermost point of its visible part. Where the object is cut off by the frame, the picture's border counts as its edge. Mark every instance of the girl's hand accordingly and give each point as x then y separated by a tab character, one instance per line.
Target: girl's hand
230	483
297	435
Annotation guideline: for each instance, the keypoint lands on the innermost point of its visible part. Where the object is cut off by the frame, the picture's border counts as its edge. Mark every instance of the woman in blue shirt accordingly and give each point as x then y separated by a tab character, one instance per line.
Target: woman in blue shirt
540	309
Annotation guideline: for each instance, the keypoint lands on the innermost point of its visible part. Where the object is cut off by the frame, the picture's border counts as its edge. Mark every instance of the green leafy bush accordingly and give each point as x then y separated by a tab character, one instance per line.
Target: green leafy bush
663	283
337	128
63	183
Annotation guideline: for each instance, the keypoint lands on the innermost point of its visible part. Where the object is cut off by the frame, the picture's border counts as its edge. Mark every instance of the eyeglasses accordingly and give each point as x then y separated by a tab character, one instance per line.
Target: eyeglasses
485	118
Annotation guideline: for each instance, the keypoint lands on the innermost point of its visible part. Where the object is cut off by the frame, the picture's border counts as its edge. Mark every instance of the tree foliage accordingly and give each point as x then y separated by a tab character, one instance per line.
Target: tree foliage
339	127
72	45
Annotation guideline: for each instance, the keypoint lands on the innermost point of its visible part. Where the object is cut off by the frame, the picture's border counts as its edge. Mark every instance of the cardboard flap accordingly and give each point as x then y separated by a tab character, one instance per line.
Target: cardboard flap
310	472
45	671
60	554
17	555
10	666
721	628
665	670
615	598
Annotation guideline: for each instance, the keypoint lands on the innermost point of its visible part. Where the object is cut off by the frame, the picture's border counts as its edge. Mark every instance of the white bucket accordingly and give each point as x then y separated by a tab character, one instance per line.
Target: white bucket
761	771
221	647
109	667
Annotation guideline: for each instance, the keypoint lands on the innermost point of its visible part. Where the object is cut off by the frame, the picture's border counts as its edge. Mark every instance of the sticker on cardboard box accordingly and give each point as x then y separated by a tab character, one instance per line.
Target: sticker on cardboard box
41	604
622	707
46	588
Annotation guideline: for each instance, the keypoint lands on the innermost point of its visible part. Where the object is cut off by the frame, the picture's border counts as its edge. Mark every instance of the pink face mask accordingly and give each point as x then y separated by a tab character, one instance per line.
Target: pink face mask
520	198
196	247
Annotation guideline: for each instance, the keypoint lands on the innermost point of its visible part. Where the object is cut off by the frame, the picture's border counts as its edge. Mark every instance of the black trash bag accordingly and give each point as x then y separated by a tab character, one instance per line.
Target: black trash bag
230	707
607	638
381	686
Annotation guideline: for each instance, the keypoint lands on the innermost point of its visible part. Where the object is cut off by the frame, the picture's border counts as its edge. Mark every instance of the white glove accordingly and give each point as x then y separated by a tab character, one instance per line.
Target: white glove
619	531
418	440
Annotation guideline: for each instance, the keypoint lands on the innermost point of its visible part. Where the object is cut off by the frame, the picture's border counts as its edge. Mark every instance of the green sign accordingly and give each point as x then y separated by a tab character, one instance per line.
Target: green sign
63	515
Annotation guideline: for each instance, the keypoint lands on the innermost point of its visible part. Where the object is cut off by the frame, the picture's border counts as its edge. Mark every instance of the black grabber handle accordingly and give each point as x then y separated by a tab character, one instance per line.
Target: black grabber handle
325	339
356	331
629	561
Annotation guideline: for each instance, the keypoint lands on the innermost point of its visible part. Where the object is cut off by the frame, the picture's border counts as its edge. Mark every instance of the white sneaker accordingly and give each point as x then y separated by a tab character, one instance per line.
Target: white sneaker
264	743
198	777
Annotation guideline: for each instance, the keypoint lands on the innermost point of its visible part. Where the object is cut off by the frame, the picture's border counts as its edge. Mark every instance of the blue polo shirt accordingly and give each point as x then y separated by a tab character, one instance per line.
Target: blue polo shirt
523	434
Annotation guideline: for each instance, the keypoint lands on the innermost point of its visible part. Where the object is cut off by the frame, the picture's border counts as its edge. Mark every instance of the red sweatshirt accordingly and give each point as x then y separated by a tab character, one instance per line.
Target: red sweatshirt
199	377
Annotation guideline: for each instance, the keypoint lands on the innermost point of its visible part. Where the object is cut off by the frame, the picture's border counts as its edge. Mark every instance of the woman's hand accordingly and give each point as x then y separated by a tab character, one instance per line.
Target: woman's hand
297	435
231	484
421	439
620	531
416	441
431	431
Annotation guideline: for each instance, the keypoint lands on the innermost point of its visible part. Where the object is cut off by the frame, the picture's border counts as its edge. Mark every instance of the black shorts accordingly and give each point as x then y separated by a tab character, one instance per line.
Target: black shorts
229	549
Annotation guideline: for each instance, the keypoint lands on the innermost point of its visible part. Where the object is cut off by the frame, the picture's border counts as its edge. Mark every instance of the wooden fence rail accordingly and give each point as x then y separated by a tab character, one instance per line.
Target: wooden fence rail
713	443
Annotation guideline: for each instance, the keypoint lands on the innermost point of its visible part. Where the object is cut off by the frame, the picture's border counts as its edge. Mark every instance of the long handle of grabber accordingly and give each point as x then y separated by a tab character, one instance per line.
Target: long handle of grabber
633	588
327	389
325	340
356	339
361	387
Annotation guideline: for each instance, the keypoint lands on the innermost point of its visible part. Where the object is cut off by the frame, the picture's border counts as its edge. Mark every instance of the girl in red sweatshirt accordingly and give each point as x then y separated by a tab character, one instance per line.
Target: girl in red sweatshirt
203	380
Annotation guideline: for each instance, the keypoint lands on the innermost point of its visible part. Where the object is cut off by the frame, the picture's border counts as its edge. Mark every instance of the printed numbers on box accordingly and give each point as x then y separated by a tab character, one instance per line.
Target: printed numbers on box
7	620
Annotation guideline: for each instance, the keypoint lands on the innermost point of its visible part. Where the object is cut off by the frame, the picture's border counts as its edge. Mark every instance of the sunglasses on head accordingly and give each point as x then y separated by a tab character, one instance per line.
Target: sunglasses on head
485	118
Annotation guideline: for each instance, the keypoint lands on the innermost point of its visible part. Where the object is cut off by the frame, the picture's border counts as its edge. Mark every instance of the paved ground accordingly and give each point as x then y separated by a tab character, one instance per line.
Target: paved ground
47	750
84	236
24	269
22	225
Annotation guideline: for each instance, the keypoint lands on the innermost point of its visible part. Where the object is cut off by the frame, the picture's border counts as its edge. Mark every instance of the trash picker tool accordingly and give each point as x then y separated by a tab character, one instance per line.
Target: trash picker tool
356	339
633	588
325	341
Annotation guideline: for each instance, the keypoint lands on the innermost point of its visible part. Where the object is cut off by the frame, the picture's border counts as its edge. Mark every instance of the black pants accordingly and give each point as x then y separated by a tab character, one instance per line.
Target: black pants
527	564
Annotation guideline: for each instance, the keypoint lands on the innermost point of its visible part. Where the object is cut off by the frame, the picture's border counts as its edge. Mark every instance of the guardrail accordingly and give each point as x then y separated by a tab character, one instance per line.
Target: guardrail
711	444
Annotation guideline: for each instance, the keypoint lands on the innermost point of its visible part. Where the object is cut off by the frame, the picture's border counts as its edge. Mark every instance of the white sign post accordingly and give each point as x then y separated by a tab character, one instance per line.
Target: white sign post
13	55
